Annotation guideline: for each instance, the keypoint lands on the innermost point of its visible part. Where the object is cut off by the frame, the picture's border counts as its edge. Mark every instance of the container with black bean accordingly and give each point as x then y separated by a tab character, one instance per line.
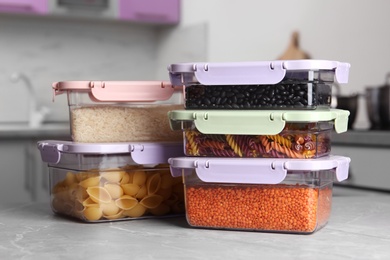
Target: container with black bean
285	95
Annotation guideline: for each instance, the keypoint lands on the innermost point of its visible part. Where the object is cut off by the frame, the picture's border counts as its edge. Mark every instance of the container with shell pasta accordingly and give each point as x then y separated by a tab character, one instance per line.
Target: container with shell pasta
113	181
270	195
296	134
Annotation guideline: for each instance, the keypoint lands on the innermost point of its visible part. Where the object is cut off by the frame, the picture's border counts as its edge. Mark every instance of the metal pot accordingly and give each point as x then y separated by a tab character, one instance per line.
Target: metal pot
378	105
384	106
372	104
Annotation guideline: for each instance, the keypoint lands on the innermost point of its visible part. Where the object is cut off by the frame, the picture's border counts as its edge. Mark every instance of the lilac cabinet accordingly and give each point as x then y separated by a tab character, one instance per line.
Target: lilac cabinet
38	7
150	11
140	11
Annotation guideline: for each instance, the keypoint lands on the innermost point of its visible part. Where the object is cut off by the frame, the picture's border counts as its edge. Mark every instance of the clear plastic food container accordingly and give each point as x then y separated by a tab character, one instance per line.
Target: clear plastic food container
120	111
277	195
113	181
300	134
280	84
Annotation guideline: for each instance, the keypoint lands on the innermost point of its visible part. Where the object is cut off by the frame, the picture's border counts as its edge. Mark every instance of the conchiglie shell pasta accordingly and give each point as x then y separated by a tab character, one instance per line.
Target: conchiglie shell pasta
89	202
125	179
114	189
130	189
113	176
126	202
70	178
68	207
90	182
142	192
99	194
172	199
165	193
160	210
137	211
139	178
59	187
57	204
166	181
153	183
72	190
63	195
93	213
109	209
85	175
78	205
118	215
81	193
151	201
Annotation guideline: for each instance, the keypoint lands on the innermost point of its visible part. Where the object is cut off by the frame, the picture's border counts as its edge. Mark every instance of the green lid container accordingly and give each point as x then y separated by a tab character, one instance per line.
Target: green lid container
261	133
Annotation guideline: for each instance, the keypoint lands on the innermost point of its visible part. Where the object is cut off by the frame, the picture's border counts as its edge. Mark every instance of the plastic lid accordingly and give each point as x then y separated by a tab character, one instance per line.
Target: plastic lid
252	73
141	153
119	91
254	171
254	122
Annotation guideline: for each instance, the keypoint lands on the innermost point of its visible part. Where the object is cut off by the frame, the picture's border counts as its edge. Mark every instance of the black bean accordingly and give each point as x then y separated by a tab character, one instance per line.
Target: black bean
287	94
207	101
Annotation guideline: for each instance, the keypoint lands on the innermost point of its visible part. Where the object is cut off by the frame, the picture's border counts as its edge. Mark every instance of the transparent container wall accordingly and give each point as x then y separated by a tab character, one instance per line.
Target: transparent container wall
122	193
296	140
99	122
298	90
300	204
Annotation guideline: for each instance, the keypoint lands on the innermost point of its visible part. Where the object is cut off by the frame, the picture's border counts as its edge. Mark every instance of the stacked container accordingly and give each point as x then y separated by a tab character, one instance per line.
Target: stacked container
257	140
116	165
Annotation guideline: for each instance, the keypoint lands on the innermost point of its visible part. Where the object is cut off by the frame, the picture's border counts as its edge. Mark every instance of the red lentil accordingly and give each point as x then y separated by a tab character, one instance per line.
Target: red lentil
289	208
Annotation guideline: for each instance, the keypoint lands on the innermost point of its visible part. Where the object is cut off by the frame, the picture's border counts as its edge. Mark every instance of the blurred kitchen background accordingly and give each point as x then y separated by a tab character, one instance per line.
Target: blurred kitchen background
43	41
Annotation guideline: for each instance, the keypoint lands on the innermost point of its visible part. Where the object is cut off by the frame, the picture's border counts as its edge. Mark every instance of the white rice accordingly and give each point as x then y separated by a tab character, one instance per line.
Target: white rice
97	124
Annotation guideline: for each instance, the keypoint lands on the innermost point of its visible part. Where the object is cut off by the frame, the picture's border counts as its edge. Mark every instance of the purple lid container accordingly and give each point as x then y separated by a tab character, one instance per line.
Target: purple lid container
255	171
141	153
251	73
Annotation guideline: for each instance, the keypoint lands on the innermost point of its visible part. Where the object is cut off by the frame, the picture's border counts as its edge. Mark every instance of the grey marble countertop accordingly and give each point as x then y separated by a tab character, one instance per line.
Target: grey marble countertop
359	228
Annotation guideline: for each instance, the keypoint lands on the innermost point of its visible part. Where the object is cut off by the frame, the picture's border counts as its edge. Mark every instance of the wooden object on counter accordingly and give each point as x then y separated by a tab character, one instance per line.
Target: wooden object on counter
293	52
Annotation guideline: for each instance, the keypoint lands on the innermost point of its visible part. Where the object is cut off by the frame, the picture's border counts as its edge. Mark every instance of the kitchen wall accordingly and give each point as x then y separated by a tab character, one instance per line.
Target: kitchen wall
49	50
349	31
56	49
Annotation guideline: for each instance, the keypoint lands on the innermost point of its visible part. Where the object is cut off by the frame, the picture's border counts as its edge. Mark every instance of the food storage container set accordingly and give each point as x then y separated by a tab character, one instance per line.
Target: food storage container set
116	166
250	141
257	140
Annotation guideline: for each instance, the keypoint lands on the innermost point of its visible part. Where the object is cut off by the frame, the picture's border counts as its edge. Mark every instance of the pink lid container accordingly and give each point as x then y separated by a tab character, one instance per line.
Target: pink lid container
120	111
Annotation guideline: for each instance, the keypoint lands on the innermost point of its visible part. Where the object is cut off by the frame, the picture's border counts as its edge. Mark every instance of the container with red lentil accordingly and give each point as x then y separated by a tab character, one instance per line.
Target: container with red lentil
298	134
103	182
280	84
274	195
